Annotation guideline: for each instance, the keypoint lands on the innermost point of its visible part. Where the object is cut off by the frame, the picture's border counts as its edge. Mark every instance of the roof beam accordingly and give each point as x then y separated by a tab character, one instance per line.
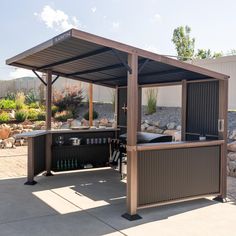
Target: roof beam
76	58
114	66
166	72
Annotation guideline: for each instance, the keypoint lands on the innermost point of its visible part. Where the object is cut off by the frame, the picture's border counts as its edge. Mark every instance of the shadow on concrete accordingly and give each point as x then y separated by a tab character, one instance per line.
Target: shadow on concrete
89	202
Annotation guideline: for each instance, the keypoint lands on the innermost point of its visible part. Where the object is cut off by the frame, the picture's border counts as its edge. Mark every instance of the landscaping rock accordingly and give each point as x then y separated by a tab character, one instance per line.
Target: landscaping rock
75	123
232	147
103	122
232	166
178	127
171	125
232	135
232	156
8	143
5	133
12	114
159	131
151	129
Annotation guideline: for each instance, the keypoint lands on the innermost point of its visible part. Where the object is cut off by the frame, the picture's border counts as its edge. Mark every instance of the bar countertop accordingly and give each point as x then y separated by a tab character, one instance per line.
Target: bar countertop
36	133
175	145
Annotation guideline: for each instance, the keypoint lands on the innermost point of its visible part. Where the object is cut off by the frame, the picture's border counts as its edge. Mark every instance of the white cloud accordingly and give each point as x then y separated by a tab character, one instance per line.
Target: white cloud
156	18
93	9
57	19
115	25
19	72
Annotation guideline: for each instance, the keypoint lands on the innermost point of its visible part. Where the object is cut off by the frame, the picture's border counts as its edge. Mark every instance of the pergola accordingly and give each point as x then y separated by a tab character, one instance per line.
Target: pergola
85	57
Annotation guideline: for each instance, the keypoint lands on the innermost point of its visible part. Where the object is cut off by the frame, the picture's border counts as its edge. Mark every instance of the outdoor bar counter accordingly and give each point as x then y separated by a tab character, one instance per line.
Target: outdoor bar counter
168	172
157	173
51	150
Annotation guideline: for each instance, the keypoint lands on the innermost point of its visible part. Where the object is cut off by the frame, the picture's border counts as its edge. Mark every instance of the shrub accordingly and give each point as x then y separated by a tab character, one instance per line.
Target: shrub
54	110
21	115
33	114
151	100
63	116
86	115
4	117
20	100
68	99
34	105
31	97
10	96
41	115
7	104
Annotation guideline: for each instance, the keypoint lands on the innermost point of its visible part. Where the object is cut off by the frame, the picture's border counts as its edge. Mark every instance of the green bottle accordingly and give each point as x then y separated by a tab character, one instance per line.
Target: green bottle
62	167
76	164
72	164
65	165
58	165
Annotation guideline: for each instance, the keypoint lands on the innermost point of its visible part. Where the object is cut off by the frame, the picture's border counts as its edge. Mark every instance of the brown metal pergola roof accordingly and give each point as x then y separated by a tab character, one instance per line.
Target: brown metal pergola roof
82	56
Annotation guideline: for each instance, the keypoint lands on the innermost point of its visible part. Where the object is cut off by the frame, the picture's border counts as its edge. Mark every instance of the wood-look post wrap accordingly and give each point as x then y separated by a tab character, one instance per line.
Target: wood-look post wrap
116	106
183	112
139	109
90	104
48	100
223	118
48	154
30	162
132	123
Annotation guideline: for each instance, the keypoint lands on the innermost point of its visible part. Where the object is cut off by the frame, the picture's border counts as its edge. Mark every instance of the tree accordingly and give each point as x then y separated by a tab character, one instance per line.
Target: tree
207	54
184	44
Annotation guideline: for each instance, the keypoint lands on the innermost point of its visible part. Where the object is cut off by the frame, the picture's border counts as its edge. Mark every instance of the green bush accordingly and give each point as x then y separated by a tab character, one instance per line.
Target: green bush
33	114
55	109
10	96
7	104
20	100
31	97
41	115
151	100
34	105
21	115
68	99
86	115
4	117
63	116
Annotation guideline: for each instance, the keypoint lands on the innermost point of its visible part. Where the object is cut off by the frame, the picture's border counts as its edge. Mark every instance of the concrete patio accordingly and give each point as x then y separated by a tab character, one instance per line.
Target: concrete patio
92	202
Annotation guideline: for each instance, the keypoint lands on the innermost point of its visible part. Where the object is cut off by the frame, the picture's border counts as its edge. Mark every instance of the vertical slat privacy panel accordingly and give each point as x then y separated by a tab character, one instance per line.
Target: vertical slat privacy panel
39	154
202	109
167	175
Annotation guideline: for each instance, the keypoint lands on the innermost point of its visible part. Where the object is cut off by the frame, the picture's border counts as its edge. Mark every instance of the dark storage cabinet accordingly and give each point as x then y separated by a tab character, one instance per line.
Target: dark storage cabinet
69	157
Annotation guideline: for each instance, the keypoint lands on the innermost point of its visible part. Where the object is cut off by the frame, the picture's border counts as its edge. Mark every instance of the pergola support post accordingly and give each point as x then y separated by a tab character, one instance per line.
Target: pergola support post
222	129
132	123
90	105
48	122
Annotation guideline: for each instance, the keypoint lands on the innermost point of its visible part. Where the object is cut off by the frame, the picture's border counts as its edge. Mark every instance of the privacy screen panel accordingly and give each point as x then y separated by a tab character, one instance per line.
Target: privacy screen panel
202	109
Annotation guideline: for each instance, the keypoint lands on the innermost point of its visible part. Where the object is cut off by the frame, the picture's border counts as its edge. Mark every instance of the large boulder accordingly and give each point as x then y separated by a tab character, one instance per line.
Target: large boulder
232	147
5	133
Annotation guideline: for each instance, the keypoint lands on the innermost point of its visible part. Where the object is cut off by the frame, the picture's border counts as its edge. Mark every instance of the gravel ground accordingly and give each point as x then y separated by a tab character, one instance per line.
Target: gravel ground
164	115
13	162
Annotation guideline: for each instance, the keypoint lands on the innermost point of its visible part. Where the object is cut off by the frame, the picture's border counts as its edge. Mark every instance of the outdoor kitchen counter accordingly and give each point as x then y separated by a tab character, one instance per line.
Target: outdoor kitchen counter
37	133
53	150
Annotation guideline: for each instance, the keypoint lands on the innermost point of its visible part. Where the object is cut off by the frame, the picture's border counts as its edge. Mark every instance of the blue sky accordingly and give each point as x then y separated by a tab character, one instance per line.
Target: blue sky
147	24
